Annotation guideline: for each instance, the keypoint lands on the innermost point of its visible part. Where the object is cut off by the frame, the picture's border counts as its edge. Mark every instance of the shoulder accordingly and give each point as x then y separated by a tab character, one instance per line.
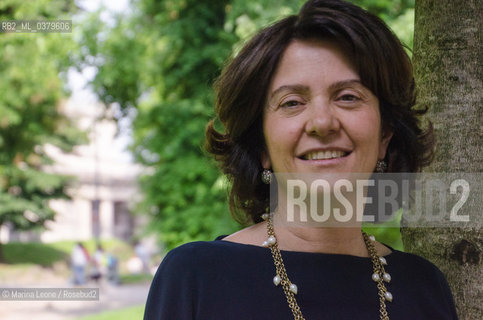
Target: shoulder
253	235
417	269
186	260
203	259
188	252
414	263
176	285
197	252
418	277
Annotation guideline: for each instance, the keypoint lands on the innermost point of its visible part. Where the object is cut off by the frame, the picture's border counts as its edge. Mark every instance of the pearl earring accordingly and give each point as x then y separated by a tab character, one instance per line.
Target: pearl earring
266	176
381	166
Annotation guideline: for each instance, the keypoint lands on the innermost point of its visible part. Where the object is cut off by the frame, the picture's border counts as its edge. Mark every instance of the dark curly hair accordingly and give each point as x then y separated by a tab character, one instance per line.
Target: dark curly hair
381	62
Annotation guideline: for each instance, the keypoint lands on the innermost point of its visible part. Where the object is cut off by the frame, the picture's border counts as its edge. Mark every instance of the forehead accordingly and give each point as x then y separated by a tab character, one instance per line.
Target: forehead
313	59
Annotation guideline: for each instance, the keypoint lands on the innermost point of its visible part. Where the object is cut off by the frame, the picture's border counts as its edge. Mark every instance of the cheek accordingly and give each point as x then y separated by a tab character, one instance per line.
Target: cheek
365	129
285	134
280	136
278	141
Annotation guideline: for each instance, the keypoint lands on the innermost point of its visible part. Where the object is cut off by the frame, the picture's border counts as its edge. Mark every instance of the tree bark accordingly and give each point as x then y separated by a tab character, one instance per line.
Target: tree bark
447	61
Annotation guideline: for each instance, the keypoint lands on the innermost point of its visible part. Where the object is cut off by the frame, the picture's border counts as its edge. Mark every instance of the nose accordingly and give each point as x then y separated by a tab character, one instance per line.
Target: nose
322	119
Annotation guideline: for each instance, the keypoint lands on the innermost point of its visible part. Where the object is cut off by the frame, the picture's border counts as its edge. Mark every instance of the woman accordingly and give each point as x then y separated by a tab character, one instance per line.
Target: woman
79	258
329	90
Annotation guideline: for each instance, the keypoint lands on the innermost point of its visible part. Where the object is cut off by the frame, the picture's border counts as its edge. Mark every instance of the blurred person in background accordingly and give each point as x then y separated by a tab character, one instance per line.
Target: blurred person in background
99	264
79	260
144	255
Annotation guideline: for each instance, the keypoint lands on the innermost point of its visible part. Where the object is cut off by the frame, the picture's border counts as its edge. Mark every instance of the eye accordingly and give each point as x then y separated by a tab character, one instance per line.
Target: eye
348	98
290	103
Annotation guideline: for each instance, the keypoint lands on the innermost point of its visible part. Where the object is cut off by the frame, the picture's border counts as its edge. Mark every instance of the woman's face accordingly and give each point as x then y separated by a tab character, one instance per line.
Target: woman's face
318	116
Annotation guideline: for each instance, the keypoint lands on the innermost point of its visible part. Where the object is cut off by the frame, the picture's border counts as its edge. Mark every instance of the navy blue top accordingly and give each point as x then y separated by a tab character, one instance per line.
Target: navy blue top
226	280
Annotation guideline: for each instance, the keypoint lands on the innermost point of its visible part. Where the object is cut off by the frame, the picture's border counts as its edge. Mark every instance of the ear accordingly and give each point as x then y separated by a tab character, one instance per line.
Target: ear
385	139
265	158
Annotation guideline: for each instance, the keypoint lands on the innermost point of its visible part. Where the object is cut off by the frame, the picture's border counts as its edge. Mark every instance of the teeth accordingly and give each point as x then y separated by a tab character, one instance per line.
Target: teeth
323	155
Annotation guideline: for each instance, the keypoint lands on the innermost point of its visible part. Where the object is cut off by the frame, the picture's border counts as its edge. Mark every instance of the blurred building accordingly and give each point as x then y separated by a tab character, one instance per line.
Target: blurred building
105	188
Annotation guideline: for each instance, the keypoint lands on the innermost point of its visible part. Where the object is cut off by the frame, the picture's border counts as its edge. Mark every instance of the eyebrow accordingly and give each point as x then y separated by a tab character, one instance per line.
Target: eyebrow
305	89
295	88
345	83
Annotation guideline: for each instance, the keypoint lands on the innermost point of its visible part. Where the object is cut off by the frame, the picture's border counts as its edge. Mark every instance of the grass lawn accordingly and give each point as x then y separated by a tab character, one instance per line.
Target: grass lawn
136	278
54	258
119	249
46	254
131	313
32	253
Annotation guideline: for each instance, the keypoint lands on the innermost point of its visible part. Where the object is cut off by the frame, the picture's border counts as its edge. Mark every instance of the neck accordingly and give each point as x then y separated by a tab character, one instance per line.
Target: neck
341	240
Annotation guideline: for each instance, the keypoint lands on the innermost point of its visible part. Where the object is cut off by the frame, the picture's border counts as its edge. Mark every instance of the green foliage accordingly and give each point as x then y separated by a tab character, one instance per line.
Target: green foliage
31	93
398	15
116	59
170	125
24	205
387	232
158	63
245	18
403	26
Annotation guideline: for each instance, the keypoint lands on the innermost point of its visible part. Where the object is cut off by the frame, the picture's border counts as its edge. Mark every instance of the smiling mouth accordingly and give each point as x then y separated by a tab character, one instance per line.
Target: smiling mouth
324	155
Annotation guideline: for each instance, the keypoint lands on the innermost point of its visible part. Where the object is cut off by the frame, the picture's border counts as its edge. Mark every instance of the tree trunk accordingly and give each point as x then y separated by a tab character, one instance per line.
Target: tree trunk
447	61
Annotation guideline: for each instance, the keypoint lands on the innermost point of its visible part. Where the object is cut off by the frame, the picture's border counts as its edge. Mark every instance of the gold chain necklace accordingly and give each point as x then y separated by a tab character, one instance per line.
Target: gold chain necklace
290	289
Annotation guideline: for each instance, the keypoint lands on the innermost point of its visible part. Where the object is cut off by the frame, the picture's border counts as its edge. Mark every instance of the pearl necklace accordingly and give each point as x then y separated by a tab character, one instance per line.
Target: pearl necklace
379	274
